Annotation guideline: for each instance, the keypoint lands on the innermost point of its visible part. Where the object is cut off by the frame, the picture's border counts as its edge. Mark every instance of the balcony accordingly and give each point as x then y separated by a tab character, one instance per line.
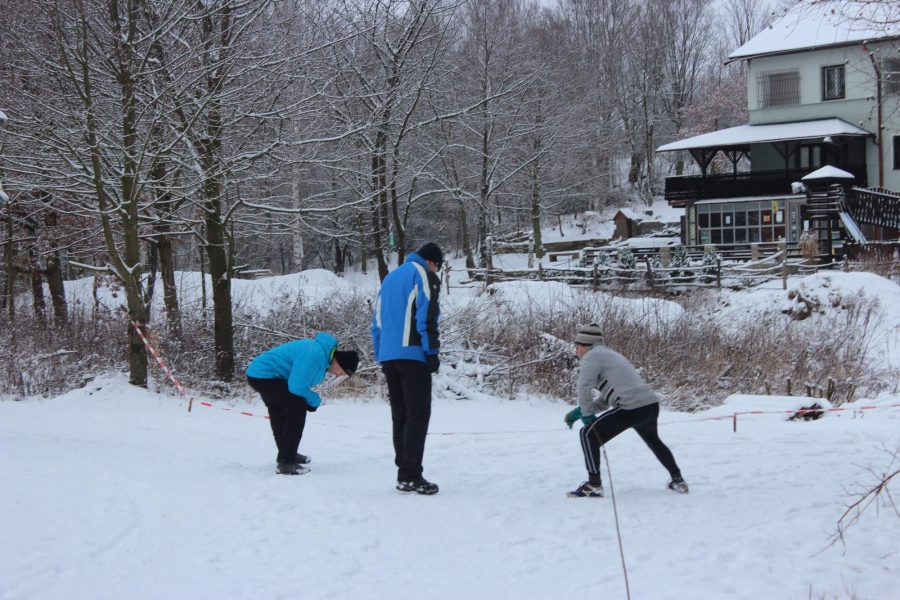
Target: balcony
690	188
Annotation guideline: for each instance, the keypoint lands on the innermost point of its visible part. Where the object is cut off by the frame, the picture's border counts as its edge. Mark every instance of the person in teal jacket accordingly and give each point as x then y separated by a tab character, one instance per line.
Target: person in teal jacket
284	377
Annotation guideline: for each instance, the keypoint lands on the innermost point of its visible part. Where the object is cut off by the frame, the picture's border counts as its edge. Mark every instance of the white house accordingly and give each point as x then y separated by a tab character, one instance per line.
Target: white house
822	90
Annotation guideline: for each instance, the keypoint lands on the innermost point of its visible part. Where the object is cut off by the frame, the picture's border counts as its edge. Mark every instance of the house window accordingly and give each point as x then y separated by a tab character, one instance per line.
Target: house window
809	157
890	76
833	83
778	88
897	153
741	223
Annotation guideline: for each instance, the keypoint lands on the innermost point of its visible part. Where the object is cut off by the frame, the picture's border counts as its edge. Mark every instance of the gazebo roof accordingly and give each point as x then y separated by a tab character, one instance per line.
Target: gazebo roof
775	132
828	172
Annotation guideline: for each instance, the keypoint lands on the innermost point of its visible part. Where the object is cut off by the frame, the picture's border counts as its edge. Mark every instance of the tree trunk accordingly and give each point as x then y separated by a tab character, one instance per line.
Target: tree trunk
634	173
467	246
223	329
170	295
152	266
536	216
137	352
10	296
338	258
378	248
37	295
363	259
57	289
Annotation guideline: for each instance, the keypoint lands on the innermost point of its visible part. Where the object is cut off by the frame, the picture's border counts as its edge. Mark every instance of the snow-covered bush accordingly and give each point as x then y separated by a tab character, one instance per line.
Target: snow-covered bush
680	266
710	264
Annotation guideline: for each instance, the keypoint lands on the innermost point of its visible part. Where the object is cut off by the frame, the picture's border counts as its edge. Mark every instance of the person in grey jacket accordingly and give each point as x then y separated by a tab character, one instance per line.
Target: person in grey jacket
623	401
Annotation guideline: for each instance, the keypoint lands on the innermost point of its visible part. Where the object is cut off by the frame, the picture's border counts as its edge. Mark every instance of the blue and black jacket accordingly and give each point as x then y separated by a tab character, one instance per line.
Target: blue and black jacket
302	364
405	323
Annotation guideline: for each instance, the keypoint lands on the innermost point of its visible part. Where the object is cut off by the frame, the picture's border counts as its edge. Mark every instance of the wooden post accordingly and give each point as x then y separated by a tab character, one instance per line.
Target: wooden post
735	422
649	274
754	251
489	261
719	273
595	277
665	256
540	271
782	249
789	386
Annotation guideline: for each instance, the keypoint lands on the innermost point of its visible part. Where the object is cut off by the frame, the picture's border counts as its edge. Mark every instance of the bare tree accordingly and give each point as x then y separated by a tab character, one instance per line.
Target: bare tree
744	19
397	60
85	128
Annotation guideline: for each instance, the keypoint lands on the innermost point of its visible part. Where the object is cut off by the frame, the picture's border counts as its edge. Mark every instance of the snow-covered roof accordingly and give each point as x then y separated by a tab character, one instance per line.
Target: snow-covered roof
828	172
754	134
807	27
630	214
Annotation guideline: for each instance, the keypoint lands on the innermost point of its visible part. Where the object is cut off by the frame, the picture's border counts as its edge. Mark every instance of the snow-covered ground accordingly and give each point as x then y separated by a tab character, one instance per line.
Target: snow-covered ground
114	492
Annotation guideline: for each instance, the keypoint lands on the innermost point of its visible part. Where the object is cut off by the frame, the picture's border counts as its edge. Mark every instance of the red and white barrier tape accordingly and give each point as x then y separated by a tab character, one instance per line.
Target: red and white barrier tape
162	364
334	382
800	411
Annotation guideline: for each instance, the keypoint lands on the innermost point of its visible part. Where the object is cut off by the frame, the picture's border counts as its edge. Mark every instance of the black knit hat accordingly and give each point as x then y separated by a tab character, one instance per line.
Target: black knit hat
432	252
348	359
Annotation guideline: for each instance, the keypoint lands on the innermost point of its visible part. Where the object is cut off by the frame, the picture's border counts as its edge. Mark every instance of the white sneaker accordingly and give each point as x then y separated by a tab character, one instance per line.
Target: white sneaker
677	484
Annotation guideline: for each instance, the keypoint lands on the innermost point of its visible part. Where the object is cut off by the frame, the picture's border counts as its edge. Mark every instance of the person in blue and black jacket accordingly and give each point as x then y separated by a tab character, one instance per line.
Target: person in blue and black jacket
406	340
284	377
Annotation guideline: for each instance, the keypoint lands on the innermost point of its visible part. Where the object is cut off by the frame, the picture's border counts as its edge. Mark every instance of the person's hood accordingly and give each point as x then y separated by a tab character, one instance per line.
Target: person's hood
328	342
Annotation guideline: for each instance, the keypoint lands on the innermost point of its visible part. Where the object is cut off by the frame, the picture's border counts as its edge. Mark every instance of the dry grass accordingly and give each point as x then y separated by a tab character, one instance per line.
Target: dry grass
692	360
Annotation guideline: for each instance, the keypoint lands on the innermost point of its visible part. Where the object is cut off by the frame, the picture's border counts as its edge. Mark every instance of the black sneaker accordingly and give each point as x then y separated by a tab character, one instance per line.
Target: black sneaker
302	459
587	490
286	468
677	484
418	485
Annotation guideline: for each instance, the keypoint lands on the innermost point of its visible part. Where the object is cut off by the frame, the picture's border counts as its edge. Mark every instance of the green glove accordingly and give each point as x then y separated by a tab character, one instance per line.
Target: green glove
589	420
572	416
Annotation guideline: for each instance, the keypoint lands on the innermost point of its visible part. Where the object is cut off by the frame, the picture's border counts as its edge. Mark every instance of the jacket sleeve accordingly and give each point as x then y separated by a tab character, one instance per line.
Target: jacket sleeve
428	312
588	377
301	380
376	325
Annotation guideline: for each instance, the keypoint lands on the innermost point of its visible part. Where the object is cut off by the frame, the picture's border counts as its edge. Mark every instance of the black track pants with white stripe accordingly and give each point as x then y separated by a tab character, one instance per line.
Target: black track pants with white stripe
616	420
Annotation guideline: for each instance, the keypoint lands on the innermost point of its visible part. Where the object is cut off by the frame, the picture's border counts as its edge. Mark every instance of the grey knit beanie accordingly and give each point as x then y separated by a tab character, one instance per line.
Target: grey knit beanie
589	335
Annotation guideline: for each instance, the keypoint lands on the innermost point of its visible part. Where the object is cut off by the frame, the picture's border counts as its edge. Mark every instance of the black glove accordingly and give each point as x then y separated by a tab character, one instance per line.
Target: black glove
433	362
311	408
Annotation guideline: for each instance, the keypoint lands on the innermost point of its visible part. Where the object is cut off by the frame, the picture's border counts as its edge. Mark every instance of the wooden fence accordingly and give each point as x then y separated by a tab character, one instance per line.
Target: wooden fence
647	277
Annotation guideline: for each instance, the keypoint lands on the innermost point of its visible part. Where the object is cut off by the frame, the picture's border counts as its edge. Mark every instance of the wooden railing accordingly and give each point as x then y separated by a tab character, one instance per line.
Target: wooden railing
728	252
874	206
751	183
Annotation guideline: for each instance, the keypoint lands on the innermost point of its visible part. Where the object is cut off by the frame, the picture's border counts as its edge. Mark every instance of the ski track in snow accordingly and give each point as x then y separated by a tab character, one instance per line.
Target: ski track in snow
120	493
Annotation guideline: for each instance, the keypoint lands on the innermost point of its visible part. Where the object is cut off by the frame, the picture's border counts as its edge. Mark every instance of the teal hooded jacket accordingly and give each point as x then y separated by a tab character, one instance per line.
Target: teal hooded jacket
302	364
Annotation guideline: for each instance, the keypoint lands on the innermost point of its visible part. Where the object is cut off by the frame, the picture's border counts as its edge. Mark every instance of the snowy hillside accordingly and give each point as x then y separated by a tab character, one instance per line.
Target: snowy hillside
114	492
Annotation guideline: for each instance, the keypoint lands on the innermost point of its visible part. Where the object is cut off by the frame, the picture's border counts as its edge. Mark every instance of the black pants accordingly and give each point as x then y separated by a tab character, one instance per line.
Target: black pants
287	415
409	389
613	422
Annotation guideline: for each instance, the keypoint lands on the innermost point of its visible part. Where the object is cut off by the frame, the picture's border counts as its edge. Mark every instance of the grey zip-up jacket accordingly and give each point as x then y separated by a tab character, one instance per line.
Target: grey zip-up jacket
615	378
